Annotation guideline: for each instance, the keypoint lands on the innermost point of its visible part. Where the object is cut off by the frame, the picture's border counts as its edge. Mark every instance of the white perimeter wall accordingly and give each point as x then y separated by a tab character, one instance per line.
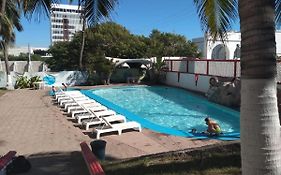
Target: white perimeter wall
278	43
187	81
206	45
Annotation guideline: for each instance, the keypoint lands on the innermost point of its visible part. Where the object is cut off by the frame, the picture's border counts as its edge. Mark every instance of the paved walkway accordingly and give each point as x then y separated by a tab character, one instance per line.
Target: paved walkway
33	126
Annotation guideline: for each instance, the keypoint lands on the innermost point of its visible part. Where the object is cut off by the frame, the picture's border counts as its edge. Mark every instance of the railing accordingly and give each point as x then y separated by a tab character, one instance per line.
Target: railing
221	68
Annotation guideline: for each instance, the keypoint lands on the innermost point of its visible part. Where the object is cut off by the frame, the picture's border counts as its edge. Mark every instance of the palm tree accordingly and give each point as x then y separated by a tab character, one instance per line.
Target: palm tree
5	26
10	19
157	73
92	12
260	129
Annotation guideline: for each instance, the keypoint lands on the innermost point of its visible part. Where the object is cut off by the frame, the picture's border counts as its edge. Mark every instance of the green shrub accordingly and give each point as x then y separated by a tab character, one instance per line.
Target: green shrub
32	80
24	82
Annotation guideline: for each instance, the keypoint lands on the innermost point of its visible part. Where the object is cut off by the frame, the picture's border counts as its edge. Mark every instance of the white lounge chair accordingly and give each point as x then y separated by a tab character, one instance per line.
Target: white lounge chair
70	96
97	121
59	99
66	94
83	111
93	117
119	127
94	114
76	107
73	104
71	100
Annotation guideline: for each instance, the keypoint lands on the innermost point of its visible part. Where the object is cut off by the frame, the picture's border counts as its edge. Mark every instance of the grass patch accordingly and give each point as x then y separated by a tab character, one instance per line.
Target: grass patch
210	161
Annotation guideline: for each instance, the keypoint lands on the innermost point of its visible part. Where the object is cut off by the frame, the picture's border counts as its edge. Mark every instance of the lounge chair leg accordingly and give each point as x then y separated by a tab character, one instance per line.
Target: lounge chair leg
98	135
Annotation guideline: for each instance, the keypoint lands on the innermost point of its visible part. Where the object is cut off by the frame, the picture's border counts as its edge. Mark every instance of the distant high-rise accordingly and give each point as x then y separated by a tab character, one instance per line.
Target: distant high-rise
65	21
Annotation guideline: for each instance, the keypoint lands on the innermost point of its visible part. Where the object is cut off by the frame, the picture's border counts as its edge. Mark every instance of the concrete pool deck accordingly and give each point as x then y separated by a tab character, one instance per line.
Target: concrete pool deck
33	126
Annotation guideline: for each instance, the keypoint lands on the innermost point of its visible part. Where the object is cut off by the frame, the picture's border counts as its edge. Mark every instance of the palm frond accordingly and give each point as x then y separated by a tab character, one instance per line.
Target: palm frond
104	8
216	16
37	8
13	14
277	11
10	20
6	27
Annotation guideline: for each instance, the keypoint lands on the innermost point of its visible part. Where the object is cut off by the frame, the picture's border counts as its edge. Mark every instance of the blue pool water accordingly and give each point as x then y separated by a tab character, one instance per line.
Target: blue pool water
170	107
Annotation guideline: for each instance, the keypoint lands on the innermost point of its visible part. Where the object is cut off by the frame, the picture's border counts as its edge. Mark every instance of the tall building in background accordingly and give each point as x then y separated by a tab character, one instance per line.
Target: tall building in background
65	21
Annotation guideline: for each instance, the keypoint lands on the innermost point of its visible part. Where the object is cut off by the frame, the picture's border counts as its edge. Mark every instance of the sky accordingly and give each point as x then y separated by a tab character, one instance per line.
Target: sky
138	16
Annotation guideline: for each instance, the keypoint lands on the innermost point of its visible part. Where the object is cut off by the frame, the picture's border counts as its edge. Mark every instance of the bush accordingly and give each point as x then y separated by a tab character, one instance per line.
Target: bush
24	82
99	68
32	80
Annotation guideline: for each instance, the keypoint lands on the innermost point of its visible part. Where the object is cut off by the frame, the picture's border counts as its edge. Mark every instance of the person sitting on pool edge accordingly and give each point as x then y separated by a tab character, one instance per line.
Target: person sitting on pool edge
53	90
65	87
213	127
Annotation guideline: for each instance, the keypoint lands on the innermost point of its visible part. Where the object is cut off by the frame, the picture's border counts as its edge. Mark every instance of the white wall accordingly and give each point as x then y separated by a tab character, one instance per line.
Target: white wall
278	42
187	81
216	68
22	66
278	72
3	81
16	51
224	69
234	38
200	43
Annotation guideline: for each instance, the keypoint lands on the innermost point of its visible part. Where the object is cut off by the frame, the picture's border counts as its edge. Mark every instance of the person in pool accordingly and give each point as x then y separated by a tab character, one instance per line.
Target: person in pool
213	127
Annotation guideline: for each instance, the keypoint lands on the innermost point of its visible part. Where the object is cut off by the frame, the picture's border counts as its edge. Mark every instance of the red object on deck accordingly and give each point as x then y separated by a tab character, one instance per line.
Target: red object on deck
91	160
6	159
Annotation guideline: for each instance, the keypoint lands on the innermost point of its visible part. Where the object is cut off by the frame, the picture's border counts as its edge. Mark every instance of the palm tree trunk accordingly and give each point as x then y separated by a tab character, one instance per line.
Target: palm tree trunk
5	54
83	43
260	129
108	78
5	47
3	6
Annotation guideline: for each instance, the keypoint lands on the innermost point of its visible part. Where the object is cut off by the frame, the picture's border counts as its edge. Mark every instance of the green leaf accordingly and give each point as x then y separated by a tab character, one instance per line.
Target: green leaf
216	16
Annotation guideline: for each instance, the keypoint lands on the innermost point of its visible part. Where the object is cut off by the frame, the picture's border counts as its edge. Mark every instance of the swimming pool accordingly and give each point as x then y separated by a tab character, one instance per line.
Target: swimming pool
171	109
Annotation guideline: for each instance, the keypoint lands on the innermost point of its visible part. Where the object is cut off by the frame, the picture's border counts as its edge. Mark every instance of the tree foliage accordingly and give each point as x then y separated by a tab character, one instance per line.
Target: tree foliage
65	56
24	57
9	20
40	52
99	68
168	44
114	40
156	73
